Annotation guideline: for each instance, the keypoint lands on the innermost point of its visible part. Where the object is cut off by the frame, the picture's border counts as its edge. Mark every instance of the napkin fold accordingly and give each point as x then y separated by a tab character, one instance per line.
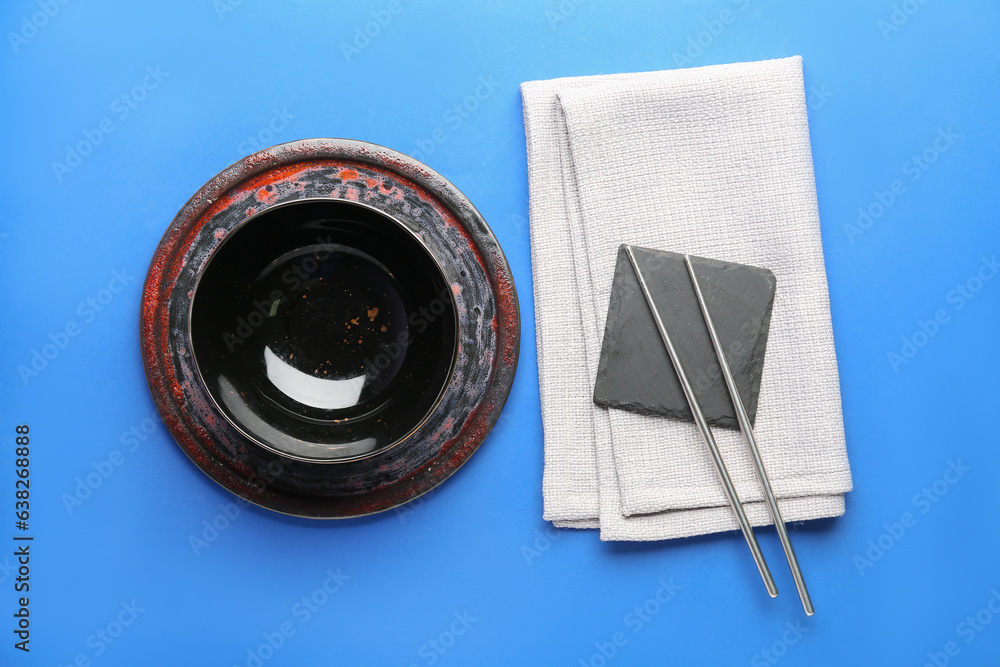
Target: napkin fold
710	161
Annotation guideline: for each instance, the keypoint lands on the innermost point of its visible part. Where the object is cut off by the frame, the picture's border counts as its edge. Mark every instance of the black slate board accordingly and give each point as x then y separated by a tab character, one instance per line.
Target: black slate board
635	372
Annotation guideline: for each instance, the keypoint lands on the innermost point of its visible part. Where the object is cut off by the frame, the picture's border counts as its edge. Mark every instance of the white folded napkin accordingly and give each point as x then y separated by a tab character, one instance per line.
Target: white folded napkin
712	161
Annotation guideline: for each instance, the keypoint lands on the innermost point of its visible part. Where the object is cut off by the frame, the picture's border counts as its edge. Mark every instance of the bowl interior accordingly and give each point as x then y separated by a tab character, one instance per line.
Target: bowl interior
324	330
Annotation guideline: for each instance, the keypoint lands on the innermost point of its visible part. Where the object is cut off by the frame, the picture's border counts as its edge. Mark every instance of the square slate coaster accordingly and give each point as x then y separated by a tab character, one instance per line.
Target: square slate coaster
635	372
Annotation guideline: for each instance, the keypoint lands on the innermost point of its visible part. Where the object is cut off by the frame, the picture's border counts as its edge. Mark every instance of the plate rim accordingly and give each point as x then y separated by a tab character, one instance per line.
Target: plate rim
155	338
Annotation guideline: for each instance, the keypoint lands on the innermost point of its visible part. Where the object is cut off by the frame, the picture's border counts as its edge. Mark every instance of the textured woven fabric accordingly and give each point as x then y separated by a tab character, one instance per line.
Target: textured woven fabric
712	161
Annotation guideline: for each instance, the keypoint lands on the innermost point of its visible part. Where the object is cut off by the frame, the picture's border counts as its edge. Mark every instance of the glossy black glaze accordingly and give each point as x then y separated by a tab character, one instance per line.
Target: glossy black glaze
324	330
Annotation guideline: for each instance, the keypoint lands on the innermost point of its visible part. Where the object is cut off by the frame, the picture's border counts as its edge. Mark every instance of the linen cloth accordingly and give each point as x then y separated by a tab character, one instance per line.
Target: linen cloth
712	161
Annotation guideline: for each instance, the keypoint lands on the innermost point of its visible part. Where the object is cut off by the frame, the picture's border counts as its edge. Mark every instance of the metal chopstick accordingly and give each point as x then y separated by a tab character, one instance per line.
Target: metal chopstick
747	430
706	433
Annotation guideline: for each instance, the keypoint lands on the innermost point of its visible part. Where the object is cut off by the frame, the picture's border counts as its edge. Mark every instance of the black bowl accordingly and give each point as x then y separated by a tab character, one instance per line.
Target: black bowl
324	330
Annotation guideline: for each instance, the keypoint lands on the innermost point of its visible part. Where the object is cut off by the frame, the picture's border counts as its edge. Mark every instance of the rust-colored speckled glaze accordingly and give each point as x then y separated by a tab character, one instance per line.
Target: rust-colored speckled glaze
471	261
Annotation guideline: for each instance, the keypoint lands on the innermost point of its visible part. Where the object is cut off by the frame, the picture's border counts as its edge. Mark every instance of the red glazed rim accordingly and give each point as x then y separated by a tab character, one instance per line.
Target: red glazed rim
470	258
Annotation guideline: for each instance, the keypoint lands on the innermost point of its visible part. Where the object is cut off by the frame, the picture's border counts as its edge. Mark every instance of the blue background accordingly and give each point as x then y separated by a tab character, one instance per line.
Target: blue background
478	547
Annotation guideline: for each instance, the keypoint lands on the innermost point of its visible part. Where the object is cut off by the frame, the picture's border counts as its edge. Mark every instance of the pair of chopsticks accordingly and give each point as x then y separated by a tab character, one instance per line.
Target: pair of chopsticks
745	428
